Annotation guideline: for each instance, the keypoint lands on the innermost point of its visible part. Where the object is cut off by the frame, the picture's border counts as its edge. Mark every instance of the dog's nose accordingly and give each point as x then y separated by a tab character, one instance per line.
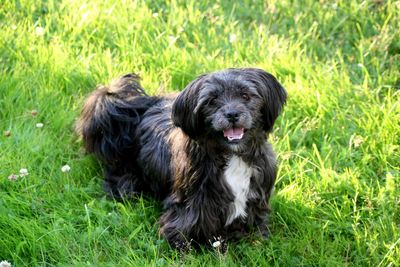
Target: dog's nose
232	115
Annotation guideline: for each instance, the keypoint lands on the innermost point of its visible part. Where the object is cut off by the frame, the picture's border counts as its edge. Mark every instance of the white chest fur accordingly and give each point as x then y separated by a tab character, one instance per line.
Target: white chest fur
237	175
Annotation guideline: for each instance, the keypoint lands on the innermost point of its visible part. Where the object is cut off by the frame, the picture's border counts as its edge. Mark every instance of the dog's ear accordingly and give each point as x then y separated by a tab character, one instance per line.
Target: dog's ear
185	109
272	92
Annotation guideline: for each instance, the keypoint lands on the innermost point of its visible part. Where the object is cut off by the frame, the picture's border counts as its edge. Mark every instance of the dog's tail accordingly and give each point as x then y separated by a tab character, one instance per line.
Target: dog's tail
109	118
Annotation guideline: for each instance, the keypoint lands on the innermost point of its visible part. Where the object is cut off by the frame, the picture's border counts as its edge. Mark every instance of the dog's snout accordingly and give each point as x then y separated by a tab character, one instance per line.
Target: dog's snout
232	115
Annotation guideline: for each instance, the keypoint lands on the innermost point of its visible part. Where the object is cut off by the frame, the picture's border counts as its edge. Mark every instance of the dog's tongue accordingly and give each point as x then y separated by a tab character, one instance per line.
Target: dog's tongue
234	133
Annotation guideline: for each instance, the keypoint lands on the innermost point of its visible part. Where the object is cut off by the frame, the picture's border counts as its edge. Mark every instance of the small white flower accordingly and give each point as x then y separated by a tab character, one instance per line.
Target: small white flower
232	38
358	140
172	39
23	172
39	31
13	27
39	125
5	264
85	16
65	168
216	244
360	65
155	15
12	177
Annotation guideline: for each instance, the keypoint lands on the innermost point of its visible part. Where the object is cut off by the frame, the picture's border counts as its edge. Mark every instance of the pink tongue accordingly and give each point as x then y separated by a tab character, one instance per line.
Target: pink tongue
234	133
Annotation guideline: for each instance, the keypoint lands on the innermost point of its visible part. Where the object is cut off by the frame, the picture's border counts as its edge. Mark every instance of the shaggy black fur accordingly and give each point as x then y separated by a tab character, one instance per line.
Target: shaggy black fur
176	149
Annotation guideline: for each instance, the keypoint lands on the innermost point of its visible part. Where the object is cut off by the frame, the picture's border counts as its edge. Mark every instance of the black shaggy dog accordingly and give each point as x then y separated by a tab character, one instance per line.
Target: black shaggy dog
203	153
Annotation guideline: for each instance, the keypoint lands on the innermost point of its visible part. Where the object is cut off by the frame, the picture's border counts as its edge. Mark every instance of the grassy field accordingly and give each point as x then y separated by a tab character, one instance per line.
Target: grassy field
337	199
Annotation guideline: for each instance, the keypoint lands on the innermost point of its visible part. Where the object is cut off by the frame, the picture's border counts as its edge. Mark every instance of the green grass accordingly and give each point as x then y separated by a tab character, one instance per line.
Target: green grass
337	198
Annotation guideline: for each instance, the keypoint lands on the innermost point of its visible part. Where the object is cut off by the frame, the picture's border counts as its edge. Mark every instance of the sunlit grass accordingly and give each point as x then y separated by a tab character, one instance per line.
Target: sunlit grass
337	195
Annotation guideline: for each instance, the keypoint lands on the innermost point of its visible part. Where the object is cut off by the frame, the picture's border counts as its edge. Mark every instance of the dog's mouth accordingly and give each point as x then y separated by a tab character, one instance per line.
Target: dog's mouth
234	134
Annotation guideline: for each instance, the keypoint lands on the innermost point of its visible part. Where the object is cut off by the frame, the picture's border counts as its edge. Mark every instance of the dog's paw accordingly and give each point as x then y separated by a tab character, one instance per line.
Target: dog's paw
263	232
182	245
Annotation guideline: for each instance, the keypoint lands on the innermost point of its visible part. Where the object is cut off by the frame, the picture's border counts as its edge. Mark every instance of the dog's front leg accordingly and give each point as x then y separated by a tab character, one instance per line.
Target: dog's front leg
175	228
190	222
260	212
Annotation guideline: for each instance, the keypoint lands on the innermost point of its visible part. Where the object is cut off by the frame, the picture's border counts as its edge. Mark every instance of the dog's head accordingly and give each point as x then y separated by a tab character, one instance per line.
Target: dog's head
229	105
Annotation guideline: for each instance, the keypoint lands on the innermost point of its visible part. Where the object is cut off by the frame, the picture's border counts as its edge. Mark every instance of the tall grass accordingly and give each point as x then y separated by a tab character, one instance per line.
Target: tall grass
337	196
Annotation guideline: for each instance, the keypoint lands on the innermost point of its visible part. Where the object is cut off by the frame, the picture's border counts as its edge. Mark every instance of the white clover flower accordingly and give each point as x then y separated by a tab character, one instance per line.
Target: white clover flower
39	31
232	38
65	168
12	177
216	244
5	264
108	11
23	172
358	140
172	39
39	125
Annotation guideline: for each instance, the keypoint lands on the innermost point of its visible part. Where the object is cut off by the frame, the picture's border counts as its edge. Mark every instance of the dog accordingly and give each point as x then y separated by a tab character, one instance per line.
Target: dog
203	153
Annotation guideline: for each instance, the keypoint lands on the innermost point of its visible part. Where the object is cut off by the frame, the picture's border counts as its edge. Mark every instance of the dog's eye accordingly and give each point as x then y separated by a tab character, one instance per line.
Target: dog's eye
245	96
212	100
